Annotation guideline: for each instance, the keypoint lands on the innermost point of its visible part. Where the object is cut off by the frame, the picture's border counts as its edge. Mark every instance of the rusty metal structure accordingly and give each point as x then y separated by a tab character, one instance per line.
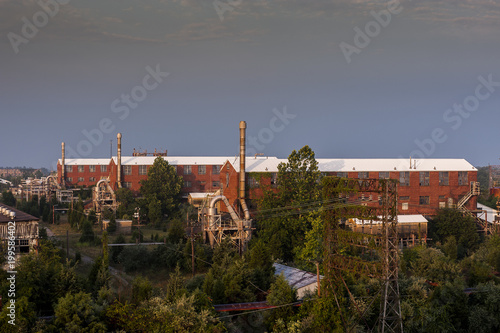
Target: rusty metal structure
217	227
342	246
103	197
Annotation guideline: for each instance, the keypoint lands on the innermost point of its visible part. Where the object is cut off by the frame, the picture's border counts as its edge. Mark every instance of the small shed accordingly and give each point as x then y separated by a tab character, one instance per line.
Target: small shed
301	280
122	226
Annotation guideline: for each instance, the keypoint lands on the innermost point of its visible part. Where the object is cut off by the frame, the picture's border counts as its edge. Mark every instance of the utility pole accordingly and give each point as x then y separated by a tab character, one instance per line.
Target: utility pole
67	244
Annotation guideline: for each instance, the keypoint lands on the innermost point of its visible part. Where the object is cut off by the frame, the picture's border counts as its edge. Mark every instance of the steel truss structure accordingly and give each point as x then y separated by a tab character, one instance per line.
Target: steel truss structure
379	257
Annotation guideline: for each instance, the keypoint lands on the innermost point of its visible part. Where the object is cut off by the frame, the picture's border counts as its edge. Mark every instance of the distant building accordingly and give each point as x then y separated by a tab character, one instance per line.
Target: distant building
122	226
304	282
23	226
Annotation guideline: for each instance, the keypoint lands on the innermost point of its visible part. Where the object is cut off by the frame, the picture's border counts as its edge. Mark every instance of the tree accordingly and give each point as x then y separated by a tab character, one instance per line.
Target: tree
78	313
164	185
125	197
8	198
451	222
298	185
281	294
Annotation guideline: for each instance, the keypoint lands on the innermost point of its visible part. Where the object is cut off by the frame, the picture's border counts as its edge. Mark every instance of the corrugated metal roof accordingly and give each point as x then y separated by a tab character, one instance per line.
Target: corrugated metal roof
295	277
20	216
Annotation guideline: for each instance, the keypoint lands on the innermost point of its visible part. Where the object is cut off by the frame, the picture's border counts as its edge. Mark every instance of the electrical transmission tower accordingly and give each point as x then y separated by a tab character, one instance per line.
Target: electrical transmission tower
373	200
390	312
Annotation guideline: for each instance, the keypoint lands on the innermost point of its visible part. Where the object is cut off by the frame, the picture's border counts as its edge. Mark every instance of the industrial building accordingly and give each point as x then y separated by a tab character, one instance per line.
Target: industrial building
23	226
425	185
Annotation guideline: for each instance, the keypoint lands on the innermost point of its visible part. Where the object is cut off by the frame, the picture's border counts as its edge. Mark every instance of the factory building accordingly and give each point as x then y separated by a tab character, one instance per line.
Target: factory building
425	185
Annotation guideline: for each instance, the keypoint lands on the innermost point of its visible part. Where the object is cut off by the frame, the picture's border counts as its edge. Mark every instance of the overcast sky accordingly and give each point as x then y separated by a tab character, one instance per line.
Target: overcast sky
350	78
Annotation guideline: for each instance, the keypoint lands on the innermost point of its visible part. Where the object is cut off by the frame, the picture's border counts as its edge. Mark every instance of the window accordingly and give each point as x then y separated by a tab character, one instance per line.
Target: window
463	178
227	180
81	179
404	178
424	200
104	168
187	170
383	175
92	179
68	168
202	169
404	206
215	184
342	174
187	183
215	169
442	197
70	179
127	170
81	168
274	179
442	204
143	170
253	183
444	178
127	184
362	175
404	198
424	178
92	168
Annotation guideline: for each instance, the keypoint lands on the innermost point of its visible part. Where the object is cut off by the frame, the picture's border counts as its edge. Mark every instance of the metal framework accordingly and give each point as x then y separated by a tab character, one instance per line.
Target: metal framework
103	197
217	228
380	254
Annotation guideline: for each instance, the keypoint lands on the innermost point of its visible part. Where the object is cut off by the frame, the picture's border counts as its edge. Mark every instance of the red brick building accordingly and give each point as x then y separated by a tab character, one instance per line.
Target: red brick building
200	173
424	187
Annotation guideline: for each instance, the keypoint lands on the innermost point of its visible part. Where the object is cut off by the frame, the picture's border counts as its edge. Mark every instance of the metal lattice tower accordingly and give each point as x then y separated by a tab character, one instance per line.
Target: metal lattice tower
390	310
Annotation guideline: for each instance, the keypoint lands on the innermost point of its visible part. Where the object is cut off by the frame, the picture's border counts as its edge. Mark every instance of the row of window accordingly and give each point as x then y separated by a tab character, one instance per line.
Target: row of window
81	168
404	177
143	169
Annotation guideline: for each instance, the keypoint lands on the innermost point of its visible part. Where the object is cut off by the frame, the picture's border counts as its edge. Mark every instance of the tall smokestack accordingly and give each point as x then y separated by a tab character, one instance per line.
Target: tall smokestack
243	129
119	161
63	167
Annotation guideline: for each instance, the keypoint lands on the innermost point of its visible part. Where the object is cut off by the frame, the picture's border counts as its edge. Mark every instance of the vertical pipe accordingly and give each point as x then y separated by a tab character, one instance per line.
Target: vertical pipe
119	161
63	167
243	126
243	129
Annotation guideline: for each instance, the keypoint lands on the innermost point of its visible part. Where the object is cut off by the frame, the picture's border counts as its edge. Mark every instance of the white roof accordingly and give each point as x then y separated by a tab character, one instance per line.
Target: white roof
490	213
270	164
174	160
258	164
85	161
200	195
412	218
295	277
394	164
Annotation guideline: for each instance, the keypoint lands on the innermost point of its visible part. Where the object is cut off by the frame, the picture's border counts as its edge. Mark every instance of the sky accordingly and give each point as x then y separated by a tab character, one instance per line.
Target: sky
349	78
